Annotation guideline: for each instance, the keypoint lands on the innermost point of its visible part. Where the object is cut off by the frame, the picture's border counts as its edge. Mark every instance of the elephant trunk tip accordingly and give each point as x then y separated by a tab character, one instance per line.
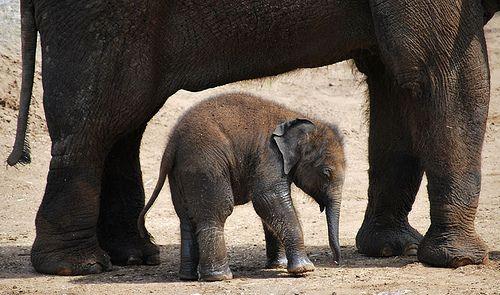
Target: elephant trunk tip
337	257
332	217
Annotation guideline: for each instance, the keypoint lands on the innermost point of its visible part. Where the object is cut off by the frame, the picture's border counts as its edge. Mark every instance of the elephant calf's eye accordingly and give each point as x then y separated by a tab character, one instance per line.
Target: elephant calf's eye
327	172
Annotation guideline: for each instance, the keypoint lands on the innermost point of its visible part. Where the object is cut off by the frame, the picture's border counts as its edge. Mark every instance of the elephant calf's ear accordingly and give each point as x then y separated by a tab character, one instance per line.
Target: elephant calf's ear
287	136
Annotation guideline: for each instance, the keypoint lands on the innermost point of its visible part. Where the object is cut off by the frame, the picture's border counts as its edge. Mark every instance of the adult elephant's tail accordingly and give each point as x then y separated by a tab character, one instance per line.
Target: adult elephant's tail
167	163
21	151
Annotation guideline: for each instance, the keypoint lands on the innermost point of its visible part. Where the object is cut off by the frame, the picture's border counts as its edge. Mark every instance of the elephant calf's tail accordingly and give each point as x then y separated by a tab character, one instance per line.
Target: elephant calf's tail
167	162
21	151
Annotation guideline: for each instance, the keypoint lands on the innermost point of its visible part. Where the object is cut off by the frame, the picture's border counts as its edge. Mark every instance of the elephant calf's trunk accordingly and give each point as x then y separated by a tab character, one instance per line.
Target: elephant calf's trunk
332	218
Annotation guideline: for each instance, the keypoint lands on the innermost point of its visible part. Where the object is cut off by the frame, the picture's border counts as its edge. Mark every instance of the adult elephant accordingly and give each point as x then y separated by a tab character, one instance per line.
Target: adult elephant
108	66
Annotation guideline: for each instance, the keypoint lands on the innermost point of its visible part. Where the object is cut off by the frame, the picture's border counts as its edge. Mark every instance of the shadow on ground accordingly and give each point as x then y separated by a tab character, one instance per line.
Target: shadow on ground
15	262
246	261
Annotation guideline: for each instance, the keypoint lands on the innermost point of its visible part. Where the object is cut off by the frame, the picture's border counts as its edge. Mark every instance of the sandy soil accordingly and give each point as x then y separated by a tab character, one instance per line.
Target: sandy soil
332	93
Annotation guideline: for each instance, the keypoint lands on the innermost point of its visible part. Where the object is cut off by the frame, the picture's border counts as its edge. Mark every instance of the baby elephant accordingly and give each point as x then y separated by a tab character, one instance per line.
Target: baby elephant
236	148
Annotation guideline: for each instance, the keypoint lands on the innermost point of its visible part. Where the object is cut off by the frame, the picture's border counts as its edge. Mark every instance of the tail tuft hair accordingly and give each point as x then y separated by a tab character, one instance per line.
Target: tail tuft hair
26	154
20	155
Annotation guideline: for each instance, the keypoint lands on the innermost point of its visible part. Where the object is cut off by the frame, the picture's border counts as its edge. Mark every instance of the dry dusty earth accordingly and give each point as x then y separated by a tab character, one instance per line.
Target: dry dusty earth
333	93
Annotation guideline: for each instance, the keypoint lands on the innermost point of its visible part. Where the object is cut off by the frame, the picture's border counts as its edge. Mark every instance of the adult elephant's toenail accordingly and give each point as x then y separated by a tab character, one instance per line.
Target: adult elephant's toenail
387	251
410	250
134	260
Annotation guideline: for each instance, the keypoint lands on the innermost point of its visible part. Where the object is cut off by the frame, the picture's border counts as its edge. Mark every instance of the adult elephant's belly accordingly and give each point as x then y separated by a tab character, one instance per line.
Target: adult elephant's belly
217	44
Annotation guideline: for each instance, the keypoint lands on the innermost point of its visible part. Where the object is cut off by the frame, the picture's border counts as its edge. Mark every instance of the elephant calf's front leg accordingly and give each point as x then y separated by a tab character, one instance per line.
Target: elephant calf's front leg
275	252
277	212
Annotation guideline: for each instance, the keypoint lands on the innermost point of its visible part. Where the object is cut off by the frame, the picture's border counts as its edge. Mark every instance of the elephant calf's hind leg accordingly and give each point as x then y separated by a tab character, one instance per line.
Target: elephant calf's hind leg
190	256
214	264
208	201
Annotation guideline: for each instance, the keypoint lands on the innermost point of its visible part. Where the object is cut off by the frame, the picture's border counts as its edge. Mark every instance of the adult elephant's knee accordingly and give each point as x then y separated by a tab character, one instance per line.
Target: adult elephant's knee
66	241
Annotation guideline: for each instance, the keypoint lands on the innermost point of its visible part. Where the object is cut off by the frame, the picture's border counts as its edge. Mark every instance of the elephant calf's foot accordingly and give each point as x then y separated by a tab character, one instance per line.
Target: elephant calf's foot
299	265
69	261
452	249
216	274
378	241
277	262
140	251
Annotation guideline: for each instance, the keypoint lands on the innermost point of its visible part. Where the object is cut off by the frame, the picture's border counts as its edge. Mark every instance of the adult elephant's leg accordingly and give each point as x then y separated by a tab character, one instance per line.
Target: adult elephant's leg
122	199
452	161
443	67
66	240
395	172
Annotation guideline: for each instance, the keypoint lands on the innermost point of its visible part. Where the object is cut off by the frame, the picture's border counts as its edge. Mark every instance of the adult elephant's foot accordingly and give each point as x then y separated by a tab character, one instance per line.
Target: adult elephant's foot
299	265
376	240
131	251
66	242
79	259
452	248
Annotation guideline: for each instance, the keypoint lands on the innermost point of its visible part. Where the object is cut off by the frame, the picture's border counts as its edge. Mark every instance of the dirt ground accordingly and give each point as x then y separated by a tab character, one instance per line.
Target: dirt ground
334	93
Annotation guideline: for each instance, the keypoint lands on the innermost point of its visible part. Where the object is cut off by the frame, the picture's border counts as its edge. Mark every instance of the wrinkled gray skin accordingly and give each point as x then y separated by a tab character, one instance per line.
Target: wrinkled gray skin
236	148
108	66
